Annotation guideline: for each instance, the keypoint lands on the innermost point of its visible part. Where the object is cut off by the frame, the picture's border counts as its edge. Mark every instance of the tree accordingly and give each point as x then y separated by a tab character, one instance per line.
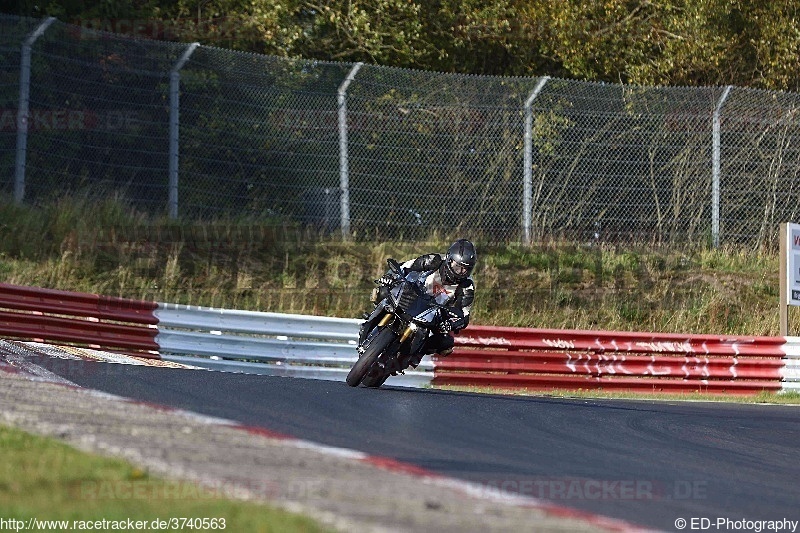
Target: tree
749	43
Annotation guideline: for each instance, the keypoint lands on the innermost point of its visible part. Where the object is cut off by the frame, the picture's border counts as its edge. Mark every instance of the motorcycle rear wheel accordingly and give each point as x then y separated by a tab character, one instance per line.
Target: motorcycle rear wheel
368	358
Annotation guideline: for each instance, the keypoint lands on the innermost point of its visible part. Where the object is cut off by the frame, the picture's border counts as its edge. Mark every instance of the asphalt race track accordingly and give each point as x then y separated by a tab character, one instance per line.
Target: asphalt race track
648	463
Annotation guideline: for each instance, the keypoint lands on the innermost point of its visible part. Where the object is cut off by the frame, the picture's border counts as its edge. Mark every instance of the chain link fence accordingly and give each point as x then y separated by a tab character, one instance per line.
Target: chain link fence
365	151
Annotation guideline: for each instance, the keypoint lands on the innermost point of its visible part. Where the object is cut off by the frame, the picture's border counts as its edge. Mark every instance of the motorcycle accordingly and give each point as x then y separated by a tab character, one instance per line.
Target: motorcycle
396	330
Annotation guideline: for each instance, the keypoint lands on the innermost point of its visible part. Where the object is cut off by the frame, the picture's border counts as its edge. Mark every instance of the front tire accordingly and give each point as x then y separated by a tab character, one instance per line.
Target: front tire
376	381
368	358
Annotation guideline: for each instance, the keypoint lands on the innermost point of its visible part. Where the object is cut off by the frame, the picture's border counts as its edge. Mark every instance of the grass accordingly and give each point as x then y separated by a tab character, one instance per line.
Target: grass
105	246
41	478
782	398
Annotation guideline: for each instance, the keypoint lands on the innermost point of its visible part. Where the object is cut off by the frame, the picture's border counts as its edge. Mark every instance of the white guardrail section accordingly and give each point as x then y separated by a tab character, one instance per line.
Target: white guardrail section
791	370
276	344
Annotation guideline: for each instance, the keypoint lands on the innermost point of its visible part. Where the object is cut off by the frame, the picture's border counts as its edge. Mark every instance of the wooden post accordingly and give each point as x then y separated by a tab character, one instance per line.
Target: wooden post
784	279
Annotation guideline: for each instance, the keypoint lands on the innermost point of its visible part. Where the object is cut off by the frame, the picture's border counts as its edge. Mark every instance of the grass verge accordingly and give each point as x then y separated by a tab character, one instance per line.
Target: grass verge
43	479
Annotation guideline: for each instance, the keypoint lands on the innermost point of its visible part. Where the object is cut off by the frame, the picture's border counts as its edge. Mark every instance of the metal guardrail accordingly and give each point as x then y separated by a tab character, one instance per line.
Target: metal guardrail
613	360
276	344
418	378
790	373
324	347
232	320
88	319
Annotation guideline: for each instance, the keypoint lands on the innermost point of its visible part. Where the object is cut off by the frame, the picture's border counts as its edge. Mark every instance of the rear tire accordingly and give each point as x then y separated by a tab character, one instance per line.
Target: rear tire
368	358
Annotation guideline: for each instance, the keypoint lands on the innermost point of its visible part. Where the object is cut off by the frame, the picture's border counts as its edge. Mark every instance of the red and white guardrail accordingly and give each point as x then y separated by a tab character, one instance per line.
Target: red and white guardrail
62	316
614	360
324	347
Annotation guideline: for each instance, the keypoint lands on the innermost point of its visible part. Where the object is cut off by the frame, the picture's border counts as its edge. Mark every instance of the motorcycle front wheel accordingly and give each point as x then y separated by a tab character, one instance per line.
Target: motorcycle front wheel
368	358
375	381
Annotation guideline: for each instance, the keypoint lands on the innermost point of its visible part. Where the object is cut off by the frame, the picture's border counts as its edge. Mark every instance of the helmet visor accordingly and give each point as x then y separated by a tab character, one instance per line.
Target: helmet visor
458	269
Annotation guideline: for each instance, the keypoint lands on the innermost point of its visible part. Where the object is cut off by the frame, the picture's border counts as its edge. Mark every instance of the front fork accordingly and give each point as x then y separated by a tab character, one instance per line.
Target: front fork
409	330
383	322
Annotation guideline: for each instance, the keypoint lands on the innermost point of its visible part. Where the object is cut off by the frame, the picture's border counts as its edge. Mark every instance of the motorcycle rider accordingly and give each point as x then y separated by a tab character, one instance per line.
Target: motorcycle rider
450	283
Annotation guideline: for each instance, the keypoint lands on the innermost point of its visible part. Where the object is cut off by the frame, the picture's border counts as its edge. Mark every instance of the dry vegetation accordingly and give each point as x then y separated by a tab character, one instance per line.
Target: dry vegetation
106	247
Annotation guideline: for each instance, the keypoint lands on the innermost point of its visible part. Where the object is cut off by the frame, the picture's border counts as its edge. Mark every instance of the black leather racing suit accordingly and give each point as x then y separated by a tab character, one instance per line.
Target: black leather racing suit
456	295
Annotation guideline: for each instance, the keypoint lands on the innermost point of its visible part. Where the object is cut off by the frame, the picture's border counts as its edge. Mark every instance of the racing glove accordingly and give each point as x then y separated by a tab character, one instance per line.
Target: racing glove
458	324
456	321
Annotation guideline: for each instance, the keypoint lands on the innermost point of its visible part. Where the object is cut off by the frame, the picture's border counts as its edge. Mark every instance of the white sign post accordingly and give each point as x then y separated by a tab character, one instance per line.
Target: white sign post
789	272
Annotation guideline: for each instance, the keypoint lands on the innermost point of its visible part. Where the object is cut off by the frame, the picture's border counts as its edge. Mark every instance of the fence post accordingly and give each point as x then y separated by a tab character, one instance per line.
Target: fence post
344	172
527	193
715	180
174	128
22	112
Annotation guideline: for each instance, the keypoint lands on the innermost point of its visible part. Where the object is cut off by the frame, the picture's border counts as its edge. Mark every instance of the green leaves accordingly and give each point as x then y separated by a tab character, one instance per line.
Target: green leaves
753	43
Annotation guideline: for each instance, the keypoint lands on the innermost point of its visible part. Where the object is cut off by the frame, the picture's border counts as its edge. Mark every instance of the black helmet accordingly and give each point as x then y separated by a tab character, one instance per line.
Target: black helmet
459	261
